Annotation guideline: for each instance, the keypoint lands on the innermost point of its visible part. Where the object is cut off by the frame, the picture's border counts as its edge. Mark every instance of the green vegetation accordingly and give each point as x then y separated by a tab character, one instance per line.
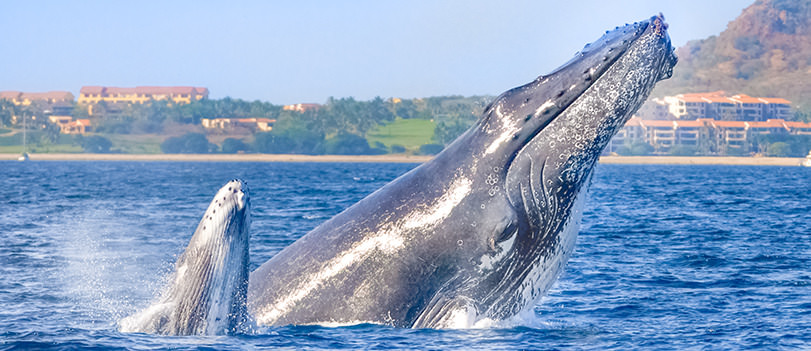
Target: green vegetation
782	145
340	126
635	149
96	144
135	144
189	143
350	144
430	149
233	146
779	149
406	133
683	150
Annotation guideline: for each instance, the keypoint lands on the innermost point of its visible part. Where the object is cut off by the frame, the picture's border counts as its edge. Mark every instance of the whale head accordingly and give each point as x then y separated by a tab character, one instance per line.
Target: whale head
207	292
527	162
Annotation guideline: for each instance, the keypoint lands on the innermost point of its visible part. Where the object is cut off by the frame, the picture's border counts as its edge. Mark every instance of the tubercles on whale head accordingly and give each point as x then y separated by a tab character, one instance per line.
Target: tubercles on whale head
516	116
207	293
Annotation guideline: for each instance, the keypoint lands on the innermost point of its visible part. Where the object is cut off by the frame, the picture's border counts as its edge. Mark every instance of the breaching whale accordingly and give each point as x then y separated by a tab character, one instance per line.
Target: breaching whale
482	231
207	291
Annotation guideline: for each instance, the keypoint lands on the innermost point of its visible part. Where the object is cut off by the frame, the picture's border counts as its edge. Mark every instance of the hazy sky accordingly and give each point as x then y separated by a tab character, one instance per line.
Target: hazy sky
305	51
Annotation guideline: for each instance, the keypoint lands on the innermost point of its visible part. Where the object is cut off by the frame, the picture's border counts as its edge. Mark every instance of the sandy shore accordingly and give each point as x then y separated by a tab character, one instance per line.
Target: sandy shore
666	160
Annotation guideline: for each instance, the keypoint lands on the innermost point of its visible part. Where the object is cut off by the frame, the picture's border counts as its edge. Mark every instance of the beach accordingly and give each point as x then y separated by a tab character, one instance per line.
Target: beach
395	158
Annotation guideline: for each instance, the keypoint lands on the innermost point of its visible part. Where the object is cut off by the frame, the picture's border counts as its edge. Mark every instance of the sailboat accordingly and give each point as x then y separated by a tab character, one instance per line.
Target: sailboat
24	155
807	161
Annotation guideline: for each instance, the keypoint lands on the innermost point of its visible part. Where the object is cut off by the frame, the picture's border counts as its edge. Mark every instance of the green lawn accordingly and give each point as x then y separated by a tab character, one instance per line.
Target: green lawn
410	133
136	144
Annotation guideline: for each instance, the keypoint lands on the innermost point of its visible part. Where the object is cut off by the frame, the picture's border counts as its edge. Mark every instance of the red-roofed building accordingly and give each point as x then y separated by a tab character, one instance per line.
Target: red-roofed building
719	106
660	134
771	126
707	136
799	128
69	126
91	95
629	134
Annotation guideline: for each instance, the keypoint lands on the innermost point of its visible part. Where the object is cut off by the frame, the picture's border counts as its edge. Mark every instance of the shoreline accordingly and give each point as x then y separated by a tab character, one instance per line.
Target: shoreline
628	160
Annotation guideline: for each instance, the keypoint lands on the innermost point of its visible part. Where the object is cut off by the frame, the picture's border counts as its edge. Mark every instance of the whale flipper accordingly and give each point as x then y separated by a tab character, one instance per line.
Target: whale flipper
207	292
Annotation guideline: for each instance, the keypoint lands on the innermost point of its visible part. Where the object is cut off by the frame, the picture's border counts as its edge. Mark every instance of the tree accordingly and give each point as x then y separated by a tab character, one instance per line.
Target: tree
635	149
232	146
398	149
431	149
349	144
779	149
190	143
96	144
683	150
445	133
7	110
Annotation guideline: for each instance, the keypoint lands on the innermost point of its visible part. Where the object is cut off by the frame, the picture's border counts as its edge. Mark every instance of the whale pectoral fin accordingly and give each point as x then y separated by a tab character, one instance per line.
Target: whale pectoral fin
448	312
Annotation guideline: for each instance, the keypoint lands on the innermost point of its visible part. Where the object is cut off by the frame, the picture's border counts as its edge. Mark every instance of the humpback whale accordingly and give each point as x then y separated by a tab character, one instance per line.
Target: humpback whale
480	232
207	291
476	235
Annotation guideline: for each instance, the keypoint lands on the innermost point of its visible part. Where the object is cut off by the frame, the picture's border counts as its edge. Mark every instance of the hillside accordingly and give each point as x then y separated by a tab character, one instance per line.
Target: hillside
766	51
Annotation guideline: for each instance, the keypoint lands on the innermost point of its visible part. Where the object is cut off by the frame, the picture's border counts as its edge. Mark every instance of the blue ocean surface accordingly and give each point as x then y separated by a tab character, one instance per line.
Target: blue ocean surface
668	257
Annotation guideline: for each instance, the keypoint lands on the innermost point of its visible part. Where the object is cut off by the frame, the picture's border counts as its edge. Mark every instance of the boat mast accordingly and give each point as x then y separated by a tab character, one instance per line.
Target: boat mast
24	133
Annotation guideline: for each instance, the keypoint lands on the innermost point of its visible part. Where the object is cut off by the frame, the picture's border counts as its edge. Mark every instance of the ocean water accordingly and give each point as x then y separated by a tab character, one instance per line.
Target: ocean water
668	257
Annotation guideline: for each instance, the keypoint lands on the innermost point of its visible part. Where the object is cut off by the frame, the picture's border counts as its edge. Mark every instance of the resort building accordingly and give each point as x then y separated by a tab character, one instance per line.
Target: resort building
731	134
301	107
91	95
716	105
68	126
260	124
26	99
706	136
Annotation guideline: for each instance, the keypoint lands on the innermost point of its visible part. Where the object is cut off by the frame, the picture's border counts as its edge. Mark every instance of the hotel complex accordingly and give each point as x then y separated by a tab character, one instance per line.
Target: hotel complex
705	136
139	95
709	123
92	95
716	105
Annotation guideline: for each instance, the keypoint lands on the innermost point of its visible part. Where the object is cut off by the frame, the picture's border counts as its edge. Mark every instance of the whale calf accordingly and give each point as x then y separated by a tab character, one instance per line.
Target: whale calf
480	232
207	291
474	236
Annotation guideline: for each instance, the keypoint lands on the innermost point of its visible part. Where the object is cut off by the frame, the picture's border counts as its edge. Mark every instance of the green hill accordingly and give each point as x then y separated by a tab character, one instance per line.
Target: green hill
766	51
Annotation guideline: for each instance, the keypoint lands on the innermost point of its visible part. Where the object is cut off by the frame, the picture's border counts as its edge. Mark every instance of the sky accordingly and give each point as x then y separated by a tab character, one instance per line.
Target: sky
287	52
